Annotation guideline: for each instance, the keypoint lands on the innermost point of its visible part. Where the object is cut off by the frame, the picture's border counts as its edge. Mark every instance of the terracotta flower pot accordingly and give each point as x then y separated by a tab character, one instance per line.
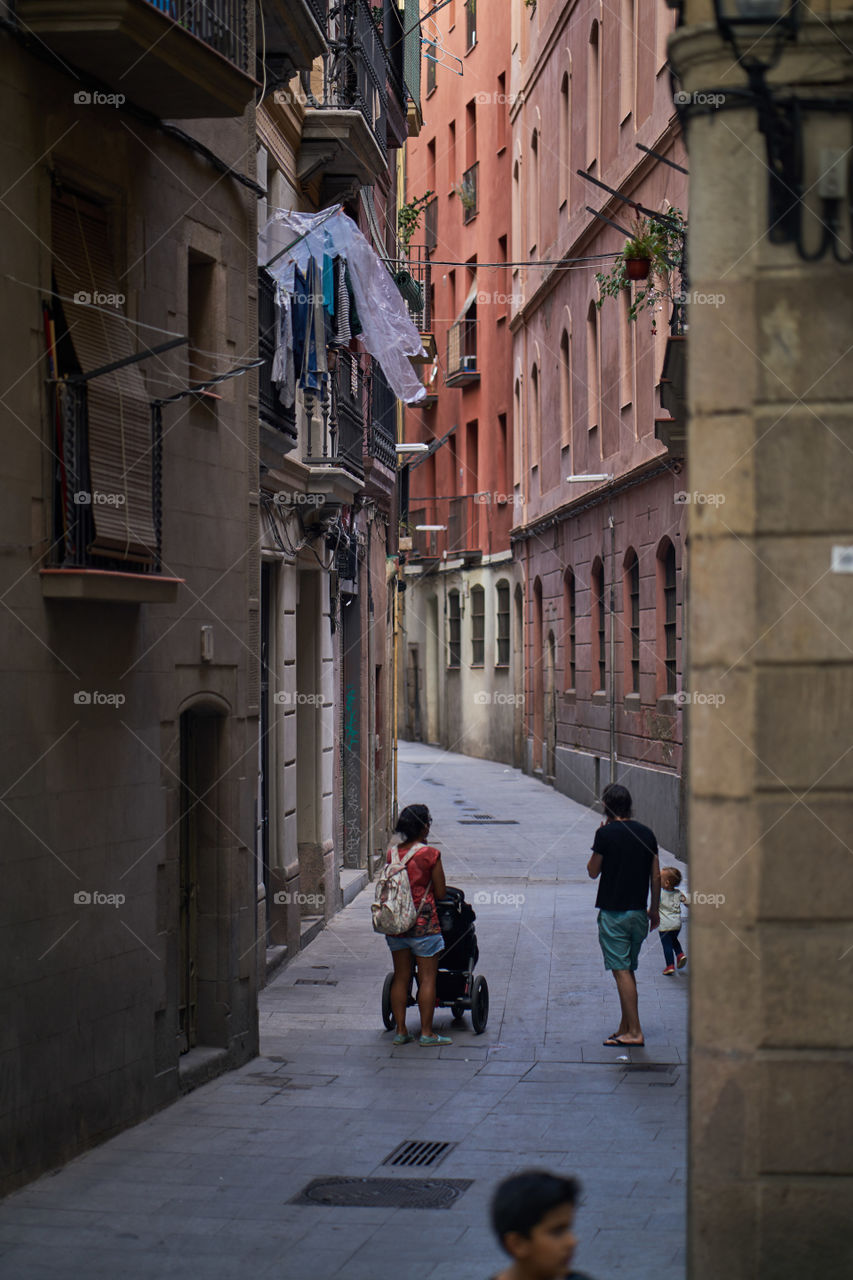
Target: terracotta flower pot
637	268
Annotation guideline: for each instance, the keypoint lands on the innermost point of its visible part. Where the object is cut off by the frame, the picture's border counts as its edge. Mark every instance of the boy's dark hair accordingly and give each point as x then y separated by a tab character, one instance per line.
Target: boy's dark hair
616	800
674	872
412	821
521	1202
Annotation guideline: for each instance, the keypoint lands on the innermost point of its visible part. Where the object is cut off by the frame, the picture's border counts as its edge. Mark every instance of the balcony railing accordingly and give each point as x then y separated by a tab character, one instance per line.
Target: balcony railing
462	367
337	439
462	525
413	276
383	420
355	72
221	24
469	192
270	407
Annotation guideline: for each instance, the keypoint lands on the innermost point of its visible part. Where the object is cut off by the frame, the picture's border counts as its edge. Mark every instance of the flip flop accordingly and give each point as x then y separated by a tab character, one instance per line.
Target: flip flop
402	1039
429	1041
618	1042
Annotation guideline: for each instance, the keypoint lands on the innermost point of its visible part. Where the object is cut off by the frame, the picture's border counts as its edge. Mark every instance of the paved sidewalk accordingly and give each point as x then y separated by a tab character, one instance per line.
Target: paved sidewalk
202	1189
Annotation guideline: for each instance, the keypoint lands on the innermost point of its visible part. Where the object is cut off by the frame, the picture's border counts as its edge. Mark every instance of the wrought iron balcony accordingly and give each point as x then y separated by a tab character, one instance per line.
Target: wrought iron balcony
177	58
383	420
271	410
462	367
344	133
459	523
335	436
413	277
294	35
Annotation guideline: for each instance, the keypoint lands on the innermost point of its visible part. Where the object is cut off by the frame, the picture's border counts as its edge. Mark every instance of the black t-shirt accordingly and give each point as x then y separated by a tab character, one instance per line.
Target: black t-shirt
627	849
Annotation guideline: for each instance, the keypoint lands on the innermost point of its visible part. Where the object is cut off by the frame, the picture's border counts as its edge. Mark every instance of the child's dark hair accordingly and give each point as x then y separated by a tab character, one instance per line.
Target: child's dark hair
521	1202
412	821
672	871
616	800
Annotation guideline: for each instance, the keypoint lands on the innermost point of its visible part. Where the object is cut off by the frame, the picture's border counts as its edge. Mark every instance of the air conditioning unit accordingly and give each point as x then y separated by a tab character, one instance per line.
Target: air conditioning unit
469	364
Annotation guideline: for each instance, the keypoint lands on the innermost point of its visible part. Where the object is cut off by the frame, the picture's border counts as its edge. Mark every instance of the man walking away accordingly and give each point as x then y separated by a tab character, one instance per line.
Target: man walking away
625	855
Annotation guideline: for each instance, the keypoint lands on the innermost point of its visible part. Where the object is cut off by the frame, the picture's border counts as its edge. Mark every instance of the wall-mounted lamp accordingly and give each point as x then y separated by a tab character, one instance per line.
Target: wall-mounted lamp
745	24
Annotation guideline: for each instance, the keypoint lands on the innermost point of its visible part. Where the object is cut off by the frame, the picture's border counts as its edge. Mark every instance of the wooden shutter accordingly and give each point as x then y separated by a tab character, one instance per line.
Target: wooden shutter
119	412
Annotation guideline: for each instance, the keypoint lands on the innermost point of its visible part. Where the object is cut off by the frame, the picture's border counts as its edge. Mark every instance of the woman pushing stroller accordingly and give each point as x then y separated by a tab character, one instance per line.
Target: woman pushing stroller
423	942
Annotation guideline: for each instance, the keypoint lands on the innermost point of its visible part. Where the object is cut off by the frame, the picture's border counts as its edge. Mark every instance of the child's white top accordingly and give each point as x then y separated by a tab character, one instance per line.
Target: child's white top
670	909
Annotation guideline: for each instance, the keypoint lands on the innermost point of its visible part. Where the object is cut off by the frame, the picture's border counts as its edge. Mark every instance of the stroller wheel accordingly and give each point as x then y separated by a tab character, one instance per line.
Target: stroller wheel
458	1011
480	1005
387	1015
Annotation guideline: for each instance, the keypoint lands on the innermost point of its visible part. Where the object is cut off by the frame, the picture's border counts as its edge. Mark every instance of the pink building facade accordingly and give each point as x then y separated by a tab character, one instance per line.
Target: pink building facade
603	561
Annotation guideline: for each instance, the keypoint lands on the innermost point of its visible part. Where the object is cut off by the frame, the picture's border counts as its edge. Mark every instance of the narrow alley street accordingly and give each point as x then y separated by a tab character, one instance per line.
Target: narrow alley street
205	1188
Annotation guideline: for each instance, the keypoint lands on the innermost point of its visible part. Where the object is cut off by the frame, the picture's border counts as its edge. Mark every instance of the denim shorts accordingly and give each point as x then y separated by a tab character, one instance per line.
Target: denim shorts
429	944
620	935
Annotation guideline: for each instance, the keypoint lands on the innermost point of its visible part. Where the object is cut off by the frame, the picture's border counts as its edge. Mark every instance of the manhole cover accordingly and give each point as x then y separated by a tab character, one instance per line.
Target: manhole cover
484	821
383	1193
420	1153
316	982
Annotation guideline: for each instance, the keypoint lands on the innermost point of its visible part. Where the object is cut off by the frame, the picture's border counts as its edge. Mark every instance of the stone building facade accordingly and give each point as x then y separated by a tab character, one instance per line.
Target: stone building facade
603	561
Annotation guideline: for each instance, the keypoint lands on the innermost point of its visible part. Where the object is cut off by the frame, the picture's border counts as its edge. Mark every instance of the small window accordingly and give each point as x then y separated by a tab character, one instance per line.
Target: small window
599	660
430	55
503	624
470	23
571	630
669	617
454	618
478	626
632	593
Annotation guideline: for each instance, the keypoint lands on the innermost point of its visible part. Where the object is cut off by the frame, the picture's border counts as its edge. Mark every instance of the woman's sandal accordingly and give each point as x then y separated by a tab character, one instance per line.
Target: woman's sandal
427	1041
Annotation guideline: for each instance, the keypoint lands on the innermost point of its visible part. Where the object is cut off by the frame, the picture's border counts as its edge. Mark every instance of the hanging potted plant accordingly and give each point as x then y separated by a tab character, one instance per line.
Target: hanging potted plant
653	254
640	251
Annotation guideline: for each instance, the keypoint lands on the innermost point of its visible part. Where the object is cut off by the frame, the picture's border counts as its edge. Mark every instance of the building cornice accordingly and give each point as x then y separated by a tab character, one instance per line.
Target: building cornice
605	493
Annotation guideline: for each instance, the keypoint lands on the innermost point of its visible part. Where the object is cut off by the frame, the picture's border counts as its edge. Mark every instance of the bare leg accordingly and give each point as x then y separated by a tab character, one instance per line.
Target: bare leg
427	971
400	987
626	985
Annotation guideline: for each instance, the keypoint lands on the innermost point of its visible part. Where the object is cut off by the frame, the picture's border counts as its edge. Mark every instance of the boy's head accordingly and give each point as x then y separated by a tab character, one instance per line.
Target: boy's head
670	877
532	1215
616	801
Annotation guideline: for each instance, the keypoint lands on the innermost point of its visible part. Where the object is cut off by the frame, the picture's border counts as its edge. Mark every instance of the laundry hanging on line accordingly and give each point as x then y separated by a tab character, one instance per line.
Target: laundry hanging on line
330	260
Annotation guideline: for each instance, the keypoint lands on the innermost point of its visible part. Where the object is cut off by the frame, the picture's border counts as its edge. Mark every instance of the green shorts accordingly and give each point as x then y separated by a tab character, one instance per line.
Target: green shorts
621	934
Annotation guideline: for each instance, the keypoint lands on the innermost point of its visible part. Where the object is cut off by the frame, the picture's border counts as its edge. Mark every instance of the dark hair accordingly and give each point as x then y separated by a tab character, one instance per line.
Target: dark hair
521	1202
674	872
412	821
616	801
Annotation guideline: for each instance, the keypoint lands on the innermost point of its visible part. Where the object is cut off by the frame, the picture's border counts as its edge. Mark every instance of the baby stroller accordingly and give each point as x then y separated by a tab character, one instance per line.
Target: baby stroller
456	987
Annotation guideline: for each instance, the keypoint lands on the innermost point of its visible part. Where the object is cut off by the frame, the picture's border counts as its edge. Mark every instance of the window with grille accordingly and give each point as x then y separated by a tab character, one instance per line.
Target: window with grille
478	626
669	617
503	624
454	618
597	592
470	23
632	581
571	635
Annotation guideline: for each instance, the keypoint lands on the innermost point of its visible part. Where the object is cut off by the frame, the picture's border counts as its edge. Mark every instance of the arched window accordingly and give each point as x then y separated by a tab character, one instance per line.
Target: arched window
454	630
597	625
593	366
478	626
502	624
570	621
535	425
565	390
593	97
565	141
631	621
533	194
517	237
627	58
667	674
517	434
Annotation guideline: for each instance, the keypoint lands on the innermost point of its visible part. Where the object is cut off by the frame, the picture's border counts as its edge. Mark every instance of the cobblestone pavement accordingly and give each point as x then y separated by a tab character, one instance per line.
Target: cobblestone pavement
203	1189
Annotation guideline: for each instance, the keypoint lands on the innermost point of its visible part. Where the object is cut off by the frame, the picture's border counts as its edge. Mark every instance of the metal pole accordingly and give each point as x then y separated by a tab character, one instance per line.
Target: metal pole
612	641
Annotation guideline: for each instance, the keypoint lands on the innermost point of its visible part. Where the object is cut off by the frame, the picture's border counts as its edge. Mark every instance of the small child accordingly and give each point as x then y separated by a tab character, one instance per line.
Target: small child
533	1215
670	919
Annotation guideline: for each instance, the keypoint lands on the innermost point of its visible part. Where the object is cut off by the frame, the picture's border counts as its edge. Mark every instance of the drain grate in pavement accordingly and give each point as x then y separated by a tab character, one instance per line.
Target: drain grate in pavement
383	1193
422	1154
316	982
486	820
